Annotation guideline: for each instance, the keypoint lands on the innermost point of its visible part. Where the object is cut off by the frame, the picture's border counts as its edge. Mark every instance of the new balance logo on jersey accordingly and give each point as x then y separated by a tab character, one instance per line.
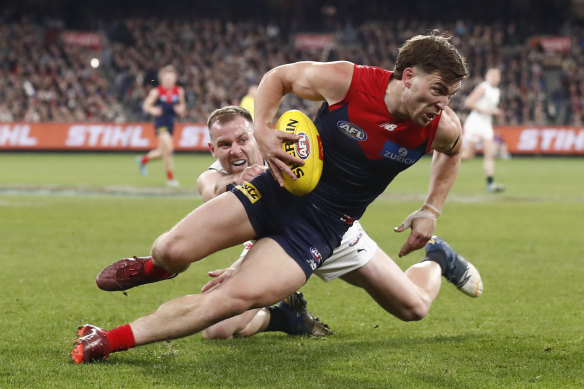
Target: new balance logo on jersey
388	126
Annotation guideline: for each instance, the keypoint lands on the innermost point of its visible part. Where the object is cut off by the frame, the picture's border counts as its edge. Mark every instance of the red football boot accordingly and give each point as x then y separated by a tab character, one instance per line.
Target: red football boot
91	345
127	273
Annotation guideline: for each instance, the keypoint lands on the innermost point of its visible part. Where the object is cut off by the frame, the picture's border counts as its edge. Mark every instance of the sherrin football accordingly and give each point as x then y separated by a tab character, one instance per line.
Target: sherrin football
308	148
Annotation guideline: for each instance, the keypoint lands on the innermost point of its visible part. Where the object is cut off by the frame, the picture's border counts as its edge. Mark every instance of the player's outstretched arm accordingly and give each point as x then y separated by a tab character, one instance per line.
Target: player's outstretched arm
444	169
446	160
315	81
212	183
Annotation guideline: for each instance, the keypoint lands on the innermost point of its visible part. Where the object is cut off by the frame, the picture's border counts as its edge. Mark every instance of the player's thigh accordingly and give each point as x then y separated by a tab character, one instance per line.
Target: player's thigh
384	280
165	141
217	224
266	275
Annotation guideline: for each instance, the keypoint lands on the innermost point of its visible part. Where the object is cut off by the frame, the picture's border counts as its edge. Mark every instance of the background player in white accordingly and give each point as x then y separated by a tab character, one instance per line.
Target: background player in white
358	260
164	102
478	127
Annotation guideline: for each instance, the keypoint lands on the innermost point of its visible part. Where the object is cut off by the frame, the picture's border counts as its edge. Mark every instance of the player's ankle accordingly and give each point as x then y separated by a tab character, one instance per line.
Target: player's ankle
155	272
120	338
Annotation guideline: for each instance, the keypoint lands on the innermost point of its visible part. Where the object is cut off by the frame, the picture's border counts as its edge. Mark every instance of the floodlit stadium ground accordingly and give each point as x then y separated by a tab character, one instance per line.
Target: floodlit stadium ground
63	217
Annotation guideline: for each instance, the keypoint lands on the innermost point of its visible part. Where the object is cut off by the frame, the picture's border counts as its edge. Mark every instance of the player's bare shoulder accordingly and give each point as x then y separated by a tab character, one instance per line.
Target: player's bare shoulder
328	81
336	79
153	94
448	134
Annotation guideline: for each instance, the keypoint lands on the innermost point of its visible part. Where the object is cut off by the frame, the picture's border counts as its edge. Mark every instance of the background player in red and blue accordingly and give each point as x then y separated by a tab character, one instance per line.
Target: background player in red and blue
164	102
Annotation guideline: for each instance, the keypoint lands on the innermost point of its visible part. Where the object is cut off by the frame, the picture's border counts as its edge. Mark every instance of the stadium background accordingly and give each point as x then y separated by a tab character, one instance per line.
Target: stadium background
64	216
73	63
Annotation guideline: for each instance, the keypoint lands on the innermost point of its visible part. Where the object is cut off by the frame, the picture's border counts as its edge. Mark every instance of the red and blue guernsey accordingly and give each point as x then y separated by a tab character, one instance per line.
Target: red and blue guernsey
364	146
167	99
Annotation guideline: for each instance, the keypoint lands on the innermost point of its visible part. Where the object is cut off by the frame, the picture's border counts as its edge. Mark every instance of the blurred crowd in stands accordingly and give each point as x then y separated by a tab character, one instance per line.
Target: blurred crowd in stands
42	79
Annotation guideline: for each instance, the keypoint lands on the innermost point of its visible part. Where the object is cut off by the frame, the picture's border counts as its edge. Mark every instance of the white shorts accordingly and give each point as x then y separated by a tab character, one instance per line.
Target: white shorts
355	251
478	128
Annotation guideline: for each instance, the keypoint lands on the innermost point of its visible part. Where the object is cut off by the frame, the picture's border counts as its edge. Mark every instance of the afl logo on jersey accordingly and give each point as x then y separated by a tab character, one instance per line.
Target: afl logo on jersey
351	130
303	146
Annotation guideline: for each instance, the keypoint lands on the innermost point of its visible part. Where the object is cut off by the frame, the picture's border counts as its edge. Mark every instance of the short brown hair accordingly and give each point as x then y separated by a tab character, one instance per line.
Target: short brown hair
432	53
227	114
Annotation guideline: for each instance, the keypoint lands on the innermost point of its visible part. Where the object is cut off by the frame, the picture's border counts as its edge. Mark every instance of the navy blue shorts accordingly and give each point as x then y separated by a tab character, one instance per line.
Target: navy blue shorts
163	124
308	234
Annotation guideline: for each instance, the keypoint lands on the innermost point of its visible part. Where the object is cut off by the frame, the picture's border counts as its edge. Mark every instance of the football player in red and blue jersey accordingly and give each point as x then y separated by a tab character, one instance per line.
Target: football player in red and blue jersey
165	103
374	124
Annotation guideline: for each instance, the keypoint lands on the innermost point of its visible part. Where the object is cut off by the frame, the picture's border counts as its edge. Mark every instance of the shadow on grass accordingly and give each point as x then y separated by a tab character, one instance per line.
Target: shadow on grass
275	360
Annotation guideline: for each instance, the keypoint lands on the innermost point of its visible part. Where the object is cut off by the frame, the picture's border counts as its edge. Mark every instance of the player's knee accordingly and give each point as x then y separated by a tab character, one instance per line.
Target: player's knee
168	251
217	332
414	311
166	150
415	315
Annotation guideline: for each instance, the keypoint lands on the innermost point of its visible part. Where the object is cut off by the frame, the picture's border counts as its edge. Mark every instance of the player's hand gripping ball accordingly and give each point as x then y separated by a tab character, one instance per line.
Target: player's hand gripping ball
307	148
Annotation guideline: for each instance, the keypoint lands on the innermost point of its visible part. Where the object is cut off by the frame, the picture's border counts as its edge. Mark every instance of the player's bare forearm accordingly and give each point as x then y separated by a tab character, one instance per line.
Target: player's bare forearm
181	108
272	88
447	147
148	105
268	98
443	173
212	183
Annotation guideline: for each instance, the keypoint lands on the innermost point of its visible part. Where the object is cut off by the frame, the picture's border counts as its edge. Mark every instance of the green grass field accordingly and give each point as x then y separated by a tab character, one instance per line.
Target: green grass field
63	217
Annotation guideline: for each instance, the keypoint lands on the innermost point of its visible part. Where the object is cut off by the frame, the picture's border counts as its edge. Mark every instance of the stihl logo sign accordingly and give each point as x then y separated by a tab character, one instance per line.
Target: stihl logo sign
552	140
97	136
16	135
106	136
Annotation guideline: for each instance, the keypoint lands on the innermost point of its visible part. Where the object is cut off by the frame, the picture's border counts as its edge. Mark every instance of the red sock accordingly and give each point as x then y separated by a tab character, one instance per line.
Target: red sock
120	338
169	175
145	159
154	271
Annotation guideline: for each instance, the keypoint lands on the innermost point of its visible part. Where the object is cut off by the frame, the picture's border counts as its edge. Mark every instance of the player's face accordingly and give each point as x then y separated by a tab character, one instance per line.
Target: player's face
493	77
233	145
427	96
168	79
